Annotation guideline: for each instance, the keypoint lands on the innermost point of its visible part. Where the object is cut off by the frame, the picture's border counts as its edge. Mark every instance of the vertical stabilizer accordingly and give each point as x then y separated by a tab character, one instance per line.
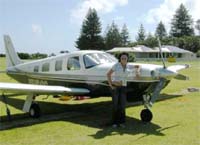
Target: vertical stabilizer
12	58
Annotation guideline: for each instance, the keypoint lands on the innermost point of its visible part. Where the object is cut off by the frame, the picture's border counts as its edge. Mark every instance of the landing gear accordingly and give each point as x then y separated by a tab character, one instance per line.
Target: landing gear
35	111
31	107
148	99
146	115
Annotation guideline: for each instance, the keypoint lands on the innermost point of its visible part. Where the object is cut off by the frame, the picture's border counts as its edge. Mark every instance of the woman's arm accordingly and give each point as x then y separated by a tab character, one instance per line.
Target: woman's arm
109	78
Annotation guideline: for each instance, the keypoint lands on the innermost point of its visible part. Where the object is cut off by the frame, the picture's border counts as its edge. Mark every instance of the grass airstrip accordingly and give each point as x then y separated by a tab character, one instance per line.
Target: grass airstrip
86	122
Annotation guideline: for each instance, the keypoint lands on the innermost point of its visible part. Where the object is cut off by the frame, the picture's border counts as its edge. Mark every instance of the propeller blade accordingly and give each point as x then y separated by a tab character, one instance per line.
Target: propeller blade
160	50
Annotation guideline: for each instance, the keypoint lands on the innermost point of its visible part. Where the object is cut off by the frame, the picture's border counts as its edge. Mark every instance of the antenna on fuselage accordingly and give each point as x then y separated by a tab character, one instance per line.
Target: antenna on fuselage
160	50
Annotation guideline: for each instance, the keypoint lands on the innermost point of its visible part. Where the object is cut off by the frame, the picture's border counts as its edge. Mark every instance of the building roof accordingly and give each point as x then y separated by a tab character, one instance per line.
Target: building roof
142	48
121	49
173	49
138	48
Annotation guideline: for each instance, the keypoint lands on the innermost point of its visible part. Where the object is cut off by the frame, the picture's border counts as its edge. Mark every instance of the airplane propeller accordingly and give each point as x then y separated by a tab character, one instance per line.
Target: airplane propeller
178	76
181	77
160	50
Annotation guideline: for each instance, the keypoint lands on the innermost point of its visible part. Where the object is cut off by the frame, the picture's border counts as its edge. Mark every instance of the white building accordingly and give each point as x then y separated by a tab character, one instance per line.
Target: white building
142	52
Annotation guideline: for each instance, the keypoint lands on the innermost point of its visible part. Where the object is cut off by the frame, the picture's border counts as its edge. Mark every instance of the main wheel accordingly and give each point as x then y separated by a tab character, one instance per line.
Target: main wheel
34	111
146	115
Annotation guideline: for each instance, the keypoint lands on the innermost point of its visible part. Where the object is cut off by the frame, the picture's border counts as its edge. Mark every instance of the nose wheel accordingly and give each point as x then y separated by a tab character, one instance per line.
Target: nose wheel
146	115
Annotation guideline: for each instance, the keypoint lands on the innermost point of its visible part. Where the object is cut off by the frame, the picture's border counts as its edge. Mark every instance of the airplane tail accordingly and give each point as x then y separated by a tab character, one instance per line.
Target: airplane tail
12	58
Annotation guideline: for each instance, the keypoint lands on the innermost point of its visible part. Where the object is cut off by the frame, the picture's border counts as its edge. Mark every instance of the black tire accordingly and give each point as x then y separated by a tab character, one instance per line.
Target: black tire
34	111
146	115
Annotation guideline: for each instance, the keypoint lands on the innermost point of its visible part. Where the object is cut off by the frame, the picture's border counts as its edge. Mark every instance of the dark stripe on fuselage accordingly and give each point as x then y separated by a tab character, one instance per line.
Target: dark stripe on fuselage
135	90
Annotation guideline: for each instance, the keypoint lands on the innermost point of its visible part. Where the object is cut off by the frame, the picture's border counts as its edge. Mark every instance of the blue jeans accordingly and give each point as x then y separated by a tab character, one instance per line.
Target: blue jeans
119	105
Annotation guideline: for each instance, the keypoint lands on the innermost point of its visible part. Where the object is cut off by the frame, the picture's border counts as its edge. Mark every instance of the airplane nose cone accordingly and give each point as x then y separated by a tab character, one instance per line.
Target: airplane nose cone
165	73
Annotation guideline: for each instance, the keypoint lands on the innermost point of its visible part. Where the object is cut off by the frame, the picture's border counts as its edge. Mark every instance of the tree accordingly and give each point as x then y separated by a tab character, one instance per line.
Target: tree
182	23
38	55
161	31
23	55
124	36
141	34
197	26
112	38
90	37
191	43
64	51
150	41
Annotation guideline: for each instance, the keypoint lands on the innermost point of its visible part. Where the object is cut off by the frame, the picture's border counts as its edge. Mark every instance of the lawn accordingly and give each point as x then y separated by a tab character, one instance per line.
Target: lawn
176	119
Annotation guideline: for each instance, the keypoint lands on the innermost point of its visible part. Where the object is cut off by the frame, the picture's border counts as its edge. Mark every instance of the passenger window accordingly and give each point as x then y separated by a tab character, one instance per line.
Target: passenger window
58	65
73	63
36	68
45	67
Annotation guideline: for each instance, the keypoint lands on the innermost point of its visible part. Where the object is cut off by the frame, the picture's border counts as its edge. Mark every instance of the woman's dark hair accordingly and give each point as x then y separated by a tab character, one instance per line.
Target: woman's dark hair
123	53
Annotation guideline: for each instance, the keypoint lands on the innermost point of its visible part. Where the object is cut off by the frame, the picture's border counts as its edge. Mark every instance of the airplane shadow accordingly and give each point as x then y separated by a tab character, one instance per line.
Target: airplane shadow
95	115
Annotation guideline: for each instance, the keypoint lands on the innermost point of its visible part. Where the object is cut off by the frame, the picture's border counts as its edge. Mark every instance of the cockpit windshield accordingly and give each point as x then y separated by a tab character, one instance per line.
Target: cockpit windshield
93	59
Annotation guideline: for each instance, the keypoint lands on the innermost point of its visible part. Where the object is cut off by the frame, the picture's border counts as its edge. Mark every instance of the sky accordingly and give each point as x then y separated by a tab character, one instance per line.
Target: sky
50	26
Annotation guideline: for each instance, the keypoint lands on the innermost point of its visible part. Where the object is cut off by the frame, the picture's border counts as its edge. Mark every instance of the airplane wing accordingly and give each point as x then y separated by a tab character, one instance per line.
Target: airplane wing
40	89
176	68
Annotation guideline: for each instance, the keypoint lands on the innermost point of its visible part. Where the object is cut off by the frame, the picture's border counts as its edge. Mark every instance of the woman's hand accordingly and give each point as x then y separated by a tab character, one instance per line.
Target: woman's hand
117	83
111	86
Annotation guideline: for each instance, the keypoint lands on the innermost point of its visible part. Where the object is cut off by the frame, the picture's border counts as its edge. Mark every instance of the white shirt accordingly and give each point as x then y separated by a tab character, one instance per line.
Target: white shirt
120	74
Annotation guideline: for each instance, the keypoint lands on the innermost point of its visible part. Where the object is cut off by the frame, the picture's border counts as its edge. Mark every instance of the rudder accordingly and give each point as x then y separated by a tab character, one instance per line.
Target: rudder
12	58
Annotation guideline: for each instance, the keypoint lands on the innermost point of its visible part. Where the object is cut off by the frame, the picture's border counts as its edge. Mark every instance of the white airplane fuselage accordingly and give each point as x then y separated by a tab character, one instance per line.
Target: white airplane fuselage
141	80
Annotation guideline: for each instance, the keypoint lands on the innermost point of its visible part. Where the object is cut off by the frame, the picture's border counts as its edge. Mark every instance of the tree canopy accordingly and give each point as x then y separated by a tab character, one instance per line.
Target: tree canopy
181	24
181	33
161	31
124	36
112	38
90	37
197	26
141	33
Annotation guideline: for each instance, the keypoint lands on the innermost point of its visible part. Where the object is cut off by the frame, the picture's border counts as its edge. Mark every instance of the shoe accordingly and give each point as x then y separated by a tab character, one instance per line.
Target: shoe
114	126
122	125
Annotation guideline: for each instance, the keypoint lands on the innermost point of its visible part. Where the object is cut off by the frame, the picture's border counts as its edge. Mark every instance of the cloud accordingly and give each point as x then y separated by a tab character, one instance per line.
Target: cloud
119	18
37	29
165	11
103	6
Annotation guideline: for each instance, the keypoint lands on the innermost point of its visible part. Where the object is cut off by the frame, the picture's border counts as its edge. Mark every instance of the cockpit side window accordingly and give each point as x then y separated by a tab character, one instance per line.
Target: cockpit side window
58	65
45	67
36	68
73	63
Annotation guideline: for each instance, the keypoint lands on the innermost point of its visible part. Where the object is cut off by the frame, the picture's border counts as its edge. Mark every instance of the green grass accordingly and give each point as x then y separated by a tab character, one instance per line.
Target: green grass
176	119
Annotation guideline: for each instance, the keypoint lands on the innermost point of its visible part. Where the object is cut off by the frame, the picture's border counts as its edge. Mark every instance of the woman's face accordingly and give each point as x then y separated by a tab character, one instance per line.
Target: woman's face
124	59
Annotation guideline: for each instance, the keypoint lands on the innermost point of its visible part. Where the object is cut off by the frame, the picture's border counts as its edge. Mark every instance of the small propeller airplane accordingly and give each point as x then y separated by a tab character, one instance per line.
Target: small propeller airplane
83	73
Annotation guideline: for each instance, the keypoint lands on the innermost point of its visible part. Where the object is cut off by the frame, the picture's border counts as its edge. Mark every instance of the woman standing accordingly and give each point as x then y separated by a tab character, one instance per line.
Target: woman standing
118	84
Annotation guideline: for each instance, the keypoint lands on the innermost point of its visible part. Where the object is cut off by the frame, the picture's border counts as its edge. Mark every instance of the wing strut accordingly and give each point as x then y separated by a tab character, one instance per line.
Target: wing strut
4	99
